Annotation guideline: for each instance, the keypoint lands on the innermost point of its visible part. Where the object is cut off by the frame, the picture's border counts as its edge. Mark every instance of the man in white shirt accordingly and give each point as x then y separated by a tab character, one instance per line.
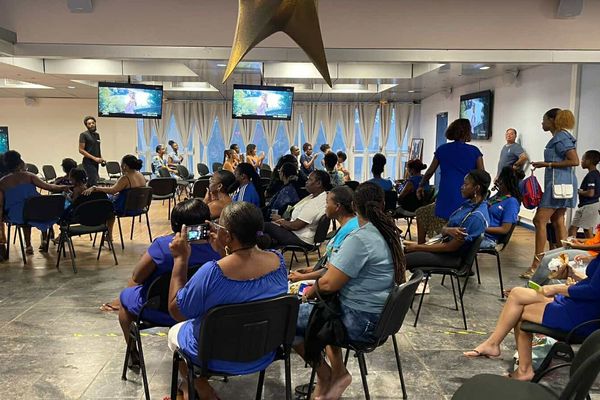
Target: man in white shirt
301	228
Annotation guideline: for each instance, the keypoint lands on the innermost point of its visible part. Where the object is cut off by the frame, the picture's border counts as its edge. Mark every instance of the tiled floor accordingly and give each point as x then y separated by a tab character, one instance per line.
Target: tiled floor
56	344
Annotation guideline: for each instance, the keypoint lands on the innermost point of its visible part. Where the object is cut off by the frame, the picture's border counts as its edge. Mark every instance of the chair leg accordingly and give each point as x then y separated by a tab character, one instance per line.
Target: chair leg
288	375
94	242
306	258
100	247
399	364
453	293
148	225
174	375
311	383
292	259
19	229
500	274
362	365
261	382
190	379
462	304
477	270
120	233
132	225
138	338
61	244
346	357
130	344
421	301
169	211
8	241
72	251
112	248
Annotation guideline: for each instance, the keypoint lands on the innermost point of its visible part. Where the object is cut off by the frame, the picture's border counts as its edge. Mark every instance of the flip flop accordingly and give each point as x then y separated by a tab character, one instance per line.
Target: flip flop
107	307
480	354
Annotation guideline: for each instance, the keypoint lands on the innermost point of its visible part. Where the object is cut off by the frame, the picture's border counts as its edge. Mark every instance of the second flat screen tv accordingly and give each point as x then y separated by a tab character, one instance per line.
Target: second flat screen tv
262	102
124	100
478	108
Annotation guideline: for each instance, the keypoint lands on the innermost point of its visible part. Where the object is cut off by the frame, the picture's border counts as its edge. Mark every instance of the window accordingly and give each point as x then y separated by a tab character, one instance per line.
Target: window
260	140
281	145
359	149
237	138
216	145
338	141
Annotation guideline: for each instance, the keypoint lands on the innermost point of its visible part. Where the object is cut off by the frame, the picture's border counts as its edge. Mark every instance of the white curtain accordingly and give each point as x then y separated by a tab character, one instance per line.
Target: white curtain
311	117
329	122
346	116
204	116
184	119
247	129
403	114
225	120
385	121
162	126
292	126
270	128
366	116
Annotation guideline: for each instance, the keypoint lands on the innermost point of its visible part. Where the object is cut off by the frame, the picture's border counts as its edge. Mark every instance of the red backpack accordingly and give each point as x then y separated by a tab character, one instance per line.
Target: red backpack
532	192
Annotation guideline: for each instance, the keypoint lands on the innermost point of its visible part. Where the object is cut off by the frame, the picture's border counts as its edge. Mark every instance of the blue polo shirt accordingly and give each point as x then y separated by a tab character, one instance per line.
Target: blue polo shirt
502	212
475	223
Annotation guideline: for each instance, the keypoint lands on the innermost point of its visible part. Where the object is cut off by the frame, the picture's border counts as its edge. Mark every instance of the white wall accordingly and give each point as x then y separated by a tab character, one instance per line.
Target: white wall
48	131
588	132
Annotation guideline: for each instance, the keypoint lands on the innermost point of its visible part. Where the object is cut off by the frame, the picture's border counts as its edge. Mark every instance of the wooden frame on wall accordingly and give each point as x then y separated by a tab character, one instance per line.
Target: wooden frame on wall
416	149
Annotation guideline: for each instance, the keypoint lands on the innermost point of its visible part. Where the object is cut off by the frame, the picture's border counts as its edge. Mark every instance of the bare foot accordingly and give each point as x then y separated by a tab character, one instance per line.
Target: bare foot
338	386
483	350
323	382
519	375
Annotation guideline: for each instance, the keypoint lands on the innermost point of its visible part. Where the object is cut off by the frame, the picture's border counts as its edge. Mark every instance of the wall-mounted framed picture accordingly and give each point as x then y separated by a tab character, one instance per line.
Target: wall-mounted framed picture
4	139
416	149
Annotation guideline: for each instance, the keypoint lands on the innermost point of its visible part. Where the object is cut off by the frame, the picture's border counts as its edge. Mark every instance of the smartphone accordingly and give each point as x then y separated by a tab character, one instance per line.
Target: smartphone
198	232
534	286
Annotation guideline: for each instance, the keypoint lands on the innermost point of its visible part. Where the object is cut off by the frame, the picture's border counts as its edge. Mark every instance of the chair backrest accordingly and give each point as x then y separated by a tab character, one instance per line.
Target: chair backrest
391	200
32	168
138	198
163	186
43	208
352	184
469	255
265	173
265	181
504	239
200	188
584	369
49	172
202	169
183	172
217	166
113	169
266	167
158	290
322	229
164	173
396	306
93	213
246	332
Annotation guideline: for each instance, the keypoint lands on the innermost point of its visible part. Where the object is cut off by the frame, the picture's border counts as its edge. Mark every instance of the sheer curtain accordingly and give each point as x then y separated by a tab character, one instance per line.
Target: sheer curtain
329	121
225	121
162	126
366	116
385	121
270	128
204	116
183	114
310	113
247	129
403	115
292	126
346	115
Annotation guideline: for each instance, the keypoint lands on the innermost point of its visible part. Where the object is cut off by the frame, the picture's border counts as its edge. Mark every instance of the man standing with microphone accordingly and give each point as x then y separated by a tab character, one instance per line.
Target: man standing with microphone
89	148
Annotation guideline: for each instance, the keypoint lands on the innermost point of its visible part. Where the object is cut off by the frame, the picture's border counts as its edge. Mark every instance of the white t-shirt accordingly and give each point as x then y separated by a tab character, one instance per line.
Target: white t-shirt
310	210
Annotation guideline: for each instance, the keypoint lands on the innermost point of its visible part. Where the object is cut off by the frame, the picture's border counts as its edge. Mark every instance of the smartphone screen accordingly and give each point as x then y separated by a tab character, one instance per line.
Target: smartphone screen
534	286
198	232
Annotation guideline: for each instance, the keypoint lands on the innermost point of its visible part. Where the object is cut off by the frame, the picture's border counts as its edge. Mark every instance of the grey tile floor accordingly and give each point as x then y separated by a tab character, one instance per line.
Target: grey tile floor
56	344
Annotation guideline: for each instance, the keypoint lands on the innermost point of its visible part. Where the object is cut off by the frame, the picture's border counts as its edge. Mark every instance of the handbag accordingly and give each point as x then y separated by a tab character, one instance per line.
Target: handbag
562	191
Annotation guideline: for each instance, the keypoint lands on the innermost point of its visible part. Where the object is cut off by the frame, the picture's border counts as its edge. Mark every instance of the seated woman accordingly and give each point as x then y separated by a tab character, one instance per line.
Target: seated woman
174	158
159	161
244	274
503	208
301	228
330	162
379	162
276	183
157	261
342	157
339	207
363	271
130	178
407	198
559	307
287	195
229	162
250	188
68	164
217	196
15	188
464	226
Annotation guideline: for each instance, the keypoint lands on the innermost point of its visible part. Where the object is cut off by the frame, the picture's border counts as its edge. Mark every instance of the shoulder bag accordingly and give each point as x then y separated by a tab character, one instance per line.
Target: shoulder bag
562	191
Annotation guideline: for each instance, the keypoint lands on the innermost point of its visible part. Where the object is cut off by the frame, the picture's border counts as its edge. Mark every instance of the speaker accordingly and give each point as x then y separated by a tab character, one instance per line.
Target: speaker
569	8
80	6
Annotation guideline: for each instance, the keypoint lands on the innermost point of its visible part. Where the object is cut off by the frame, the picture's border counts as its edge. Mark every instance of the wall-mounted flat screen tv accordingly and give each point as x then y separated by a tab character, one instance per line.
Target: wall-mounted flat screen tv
4	139
262	102
478	108
125	100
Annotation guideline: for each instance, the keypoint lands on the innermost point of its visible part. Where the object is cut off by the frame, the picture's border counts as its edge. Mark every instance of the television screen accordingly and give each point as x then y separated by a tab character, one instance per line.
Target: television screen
477	108
126	100
262	102
4	139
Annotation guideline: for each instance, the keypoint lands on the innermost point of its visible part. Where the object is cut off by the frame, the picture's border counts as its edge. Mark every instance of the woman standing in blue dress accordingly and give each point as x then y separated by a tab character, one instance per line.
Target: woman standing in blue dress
560	156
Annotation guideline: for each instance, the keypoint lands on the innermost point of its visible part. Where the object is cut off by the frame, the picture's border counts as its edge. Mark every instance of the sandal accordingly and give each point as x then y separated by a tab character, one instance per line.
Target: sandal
108	307
479	354
527	274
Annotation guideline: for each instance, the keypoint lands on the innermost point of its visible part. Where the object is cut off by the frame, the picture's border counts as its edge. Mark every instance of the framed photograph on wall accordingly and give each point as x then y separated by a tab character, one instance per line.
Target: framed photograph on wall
416	149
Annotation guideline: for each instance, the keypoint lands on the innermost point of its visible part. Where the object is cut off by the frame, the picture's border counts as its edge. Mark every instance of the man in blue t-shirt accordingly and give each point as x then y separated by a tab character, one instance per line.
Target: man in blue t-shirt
586	216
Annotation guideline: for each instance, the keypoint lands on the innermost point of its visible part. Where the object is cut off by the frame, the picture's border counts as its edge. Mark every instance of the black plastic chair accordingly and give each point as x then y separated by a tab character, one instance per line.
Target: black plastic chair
202	169
164	189
564	341
157	298
583	372
390	322
463	269
391	200
320	237
495	252
87	218
113	170
264	181
44	209
217	166
243	333
200	187
163	172
32	168
137	203
184	180
49	173
352	184
410	215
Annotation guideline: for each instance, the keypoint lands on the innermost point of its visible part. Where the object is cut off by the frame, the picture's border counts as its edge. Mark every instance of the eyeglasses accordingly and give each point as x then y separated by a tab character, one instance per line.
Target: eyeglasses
218	227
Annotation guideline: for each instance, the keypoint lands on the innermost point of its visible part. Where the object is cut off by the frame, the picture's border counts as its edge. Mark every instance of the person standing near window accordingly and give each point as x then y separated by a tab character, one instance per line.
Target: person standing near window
307	160
252	158
89	148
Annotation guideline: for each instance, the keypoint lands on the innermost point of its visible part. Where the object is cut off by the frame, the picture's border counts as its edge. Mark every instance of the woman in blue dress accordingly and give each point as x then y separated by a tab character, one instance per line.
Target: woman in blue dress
455	159
559	307
130	178
560	156
15	188
287	195
244	274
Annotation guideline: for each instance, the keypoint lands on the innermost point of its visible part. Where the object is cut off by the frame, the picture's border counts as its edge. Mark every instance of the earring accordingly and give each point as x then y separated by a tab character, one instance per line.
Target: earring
227	250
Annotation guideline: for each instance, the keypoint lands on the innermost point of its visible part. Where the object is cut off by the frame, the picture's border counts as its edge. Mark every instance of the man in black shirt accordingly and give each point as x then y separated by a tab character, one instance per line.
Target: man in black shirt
89	148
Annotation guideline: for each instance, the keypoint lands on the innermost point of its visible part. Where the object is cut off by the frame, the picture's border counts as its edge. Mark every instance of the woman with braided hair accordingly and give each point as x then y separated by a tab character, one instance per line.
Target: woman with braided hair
363	271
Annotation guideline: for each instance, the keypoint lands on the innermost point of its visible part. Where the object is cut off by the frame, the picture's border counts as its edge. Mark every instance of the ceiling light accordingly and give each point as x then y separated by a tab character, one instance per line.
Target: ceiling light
484	67
70	87
14	84
221	65
411	91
